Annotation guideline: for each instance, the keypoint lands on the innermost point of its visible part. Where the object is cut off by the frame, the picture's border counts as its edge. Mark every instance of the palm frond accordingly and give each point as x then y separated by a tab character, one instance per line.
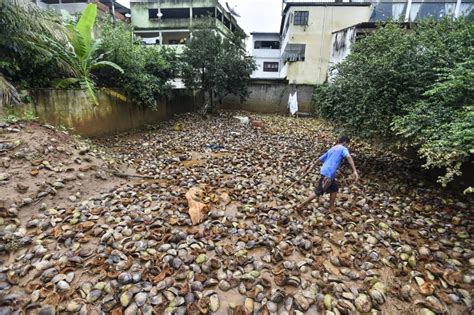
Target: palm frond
63	83
101	64
64	56
23	18
8	94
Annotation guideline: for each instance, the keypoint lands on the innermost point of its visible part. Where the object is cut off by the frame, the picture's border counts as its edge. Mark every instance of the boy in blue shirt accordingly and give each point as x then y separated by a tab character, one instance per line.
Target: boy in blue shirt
331	161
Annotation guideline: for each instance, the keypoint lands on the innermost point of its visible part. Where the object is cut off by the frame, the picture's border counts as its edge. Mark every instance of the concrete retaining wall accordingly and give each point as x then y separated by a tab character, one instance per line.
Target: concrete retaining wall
271	97
70	108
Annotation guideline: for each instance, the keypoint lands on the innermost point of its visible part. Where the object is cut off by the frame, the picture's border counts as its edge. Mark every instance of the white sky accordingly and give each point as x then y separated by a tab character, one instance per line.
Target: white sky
256	15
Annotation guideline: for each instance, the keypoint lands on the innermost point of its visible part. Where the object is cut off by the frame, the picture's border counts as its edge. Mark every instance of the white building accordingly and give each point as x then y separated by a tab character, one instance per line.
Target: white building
266	52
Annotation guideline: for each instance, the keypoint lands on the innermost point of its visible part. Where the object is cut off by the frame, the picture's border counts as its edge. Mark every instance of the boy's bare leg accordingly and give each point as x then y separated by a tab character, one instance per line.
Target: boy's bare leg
306	202
332	201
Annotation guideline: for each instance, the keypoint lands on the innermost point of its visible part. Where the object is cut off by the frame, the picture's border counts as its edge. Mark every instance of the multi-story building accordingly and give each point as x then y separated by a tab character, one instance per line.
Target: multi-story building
169	22
311	30
266	52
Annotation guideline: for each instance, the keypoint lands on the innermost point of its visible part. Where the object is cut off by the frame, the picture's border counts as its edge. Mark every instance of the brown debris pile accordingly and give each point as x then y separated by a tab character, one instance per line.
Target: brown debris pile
203	225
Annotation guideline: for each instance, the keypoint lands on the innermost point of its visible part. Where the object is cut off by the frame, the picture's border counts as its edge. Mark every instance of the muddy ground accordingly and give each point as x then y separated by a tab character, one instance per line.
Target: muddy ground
103	225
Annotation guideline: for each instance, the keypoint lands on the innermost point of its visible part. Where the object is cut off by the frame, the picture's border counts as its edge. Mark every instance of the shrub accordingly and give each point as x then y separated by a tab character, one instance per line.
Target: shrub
442	125
414	84
147	70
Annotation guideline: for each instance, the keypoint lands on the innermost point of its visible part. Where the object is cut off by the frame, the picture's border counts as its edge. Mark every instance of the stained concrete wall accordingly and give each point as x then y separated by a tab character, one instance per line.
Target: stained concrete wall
341	46
271	97
70	108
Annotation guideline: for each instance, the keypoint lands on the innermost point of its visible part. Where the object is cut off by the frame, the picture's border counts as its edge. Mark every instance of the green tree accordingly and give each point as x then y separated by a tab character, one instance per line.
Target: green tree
147	70
236	69
82	57
441	125
411	85
216	64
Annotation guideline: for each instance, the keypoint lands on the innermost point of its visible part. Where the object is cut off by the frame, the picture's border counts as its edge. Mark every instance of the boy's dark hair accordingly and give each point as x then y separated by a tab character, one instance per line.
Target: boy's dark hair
344	139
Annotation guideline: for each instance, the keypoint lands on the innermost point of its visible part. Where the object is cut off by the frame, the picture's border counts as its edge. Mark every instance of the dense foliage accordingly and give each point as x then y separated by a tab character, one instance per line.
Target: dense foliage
24	29
415	85
216	64
39	48
147	70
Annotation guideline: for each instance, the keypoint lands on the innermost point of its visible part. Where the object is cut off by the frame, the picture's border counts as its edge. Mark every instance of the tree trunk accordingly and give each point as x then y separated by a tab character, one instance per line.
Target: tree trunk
211	99
113	13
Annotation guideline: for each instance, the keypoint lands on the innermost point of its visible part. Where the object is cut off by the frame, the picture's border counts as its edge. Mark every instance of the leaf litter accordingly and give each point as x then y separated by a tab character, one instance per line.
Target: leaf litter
93	243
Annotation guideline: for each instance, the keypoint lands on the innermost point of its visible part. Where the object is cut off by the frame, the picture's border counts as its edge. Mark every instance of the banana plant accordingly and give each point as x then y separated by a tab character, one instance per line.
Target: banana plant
81	54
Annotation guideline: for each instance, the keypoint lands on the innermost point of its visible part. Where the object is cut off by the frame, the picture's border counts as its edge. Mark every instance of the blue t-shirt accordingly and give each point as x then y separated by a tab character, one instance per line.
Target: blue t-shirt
332	159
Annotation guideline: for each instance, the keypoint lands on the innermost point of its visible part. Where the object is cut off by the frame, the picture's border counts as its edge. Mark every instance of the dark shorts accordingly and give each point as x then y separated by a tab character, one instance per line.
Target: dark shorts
325	186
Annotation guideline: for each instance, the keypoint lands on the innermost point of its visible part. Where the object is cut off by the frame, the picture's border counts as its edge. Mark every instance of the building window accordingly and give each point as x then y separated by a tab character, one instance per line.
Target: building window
467	10
152	13
388	11
219	15
301	18
434	10
267	44
294	52
270	66
169	14
203	12
151	41
227	22
175	13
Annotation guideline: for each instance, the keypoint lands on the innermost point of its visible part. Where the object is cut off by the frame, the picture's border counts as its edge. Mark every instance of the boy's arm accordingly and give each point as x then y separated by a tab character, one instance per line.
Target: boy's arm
354	170
310	167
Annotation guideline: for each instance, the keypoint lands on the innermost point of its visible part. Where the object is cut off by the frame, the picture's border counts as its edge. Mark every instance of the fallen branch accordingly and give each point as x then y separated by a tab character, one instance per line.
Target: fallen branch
297	181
